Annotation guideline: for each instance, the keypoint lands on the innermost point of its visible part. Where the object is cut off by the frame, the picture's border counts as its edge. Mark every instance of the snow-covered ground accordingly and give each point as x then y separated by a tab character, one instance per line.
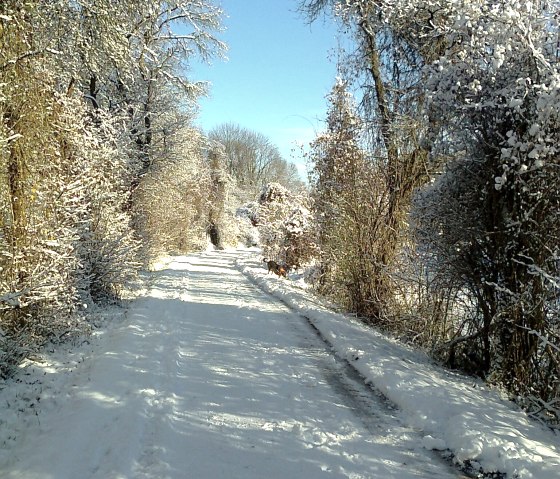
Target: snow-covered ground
209	377
451	412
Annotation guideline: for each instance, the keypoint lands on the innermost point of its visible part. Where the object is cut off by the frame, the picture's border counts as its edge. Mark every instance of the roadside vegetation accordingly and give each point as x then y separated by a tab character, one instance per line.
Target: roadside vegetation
436	184
431	207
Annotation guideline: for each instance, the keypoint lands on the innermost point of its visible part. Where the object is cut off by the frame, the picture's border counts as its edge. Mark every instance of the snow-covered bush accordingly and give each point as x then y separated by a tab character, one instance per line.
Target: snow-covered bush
285	226
247	215
68	240
187	201
223	227
172	202
491	220
65	238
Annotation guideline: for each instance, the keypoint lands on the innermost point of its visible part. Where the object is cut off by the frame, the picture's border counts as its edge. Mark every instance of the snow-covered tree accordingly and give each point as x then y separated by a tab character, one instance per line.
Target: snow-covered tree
66	239
129	57
385	70
498	90
172	201
473	85
348	208
85	94
253	160
285	224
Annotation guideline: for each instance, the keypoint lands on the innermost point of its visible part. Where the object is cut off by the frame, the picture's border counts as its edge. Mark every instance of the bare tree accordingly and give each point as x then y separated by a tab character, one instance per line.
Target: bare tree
253	160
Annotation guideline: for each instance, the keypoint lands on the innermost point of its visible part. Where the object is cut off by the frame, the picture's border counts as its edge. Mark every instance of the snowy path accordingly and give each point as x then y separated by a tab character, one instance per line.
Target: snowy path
211	378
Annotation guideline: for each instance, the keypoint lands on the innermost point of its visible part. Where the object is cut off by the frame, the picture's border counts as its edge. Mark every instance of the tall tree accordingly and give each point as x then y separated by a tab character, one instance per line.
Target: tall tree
345	202
388	64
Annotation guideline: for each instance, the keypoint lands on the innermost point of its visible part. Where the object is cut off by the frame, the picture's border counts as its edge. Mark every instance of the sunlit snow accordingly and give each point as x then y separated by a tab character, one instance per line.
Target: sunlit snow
207	376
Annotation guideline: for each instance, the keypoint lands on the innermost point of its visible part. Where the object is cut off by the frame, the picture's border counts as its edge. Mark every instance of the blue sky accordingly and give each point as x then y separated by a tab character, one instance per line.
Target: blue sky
278	72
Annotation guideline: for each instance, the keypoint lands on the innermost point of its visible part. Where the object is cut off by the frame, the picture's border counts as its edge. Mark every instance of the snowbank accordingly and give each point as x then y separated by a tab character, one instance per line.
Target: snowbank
452	411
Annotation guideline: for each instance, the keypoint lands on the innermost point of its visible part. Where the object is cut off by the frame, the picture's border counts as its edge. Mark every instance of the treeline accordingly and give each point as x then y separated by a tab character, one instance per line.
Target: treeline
253	160
91	122
101	168
436	185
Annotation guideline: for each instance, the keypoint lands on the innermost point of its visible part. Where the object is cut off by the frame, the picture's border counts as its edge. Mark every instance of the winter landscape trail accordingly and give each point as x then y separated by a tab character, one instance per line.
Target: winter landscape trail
209	377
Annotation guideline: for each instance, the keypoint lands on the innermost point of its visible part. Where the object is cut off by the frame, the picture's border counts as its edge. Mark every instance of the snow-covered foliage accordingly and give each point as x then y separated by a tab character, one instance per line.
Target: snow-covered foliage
107	247
172	200
469	91
83	85
187	200
247	217
491	220
393	138
67	239
285	226
351	209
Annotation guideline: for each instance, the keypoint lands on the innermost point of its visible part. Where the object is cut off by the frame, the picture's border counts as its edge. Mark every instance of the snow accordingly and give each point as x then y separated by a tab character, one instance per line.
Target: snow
452	411
430	442
207	376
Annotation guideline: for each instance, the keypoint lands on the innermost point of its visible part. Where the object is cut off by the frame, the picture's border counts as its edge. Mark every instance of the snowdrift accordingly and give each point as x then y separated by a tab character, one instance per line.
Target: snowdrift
453	412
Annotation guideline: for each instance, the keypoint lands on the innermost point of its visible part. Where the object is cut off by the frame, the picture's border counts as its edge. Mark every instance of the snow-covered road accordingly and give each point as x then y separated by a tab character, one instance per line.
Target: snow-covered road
208	377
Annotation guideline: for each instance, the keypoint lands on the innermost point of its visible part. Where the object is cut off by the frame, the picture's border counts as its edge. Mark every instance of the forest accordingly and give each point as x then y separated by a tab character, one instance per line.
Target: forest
432	205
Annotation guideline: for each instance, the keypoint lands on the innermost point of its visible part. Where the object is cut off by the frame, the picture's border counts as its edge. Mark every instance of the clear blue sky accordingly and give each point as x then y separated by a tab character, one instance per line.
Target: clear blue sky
278	72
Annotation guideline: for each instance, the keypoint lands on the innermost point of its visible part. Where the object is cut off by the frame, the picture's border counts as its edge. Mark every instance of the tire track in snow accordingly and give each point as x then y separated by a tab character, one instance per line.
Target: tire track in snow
377	413
210	378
